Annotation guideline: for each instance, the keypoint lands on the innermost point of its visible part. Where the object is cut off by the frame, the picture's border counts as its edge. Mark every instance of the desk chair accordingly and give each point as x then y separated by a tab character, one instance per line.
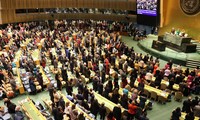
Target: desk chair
161	99
153	95
178	96
163	86
166	79
146	92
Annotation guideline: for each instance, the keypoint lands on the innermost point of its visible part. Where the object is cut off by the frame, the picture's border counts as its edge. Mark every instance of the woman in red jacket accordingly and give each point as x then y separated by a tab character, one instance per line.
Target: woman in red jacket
131	110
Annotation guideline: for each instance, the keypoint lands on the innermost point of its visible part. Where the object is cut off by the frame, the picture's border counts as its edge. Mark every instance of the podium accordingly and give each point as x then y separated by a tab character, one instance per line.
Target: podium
158	45
189	48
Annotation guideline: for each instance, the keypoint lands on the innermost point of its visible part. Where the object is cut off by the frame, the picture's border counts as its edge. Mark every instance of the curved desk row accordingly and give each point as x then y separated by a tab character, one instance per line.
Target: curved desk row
31	111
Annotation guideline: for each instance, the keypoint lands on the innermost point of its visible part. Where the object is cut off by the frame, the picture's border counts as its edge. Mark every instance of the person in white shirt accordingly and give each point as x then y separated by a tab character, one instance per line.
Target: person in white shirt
167	72
67	108
141	64
100	66
73	112
149	76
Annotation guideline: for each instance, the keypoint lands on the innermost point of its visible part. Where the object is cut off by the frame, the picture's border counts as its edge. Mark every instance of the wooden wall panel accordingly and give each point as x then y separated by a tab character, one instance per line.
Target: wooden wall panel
47	3
37	17
19	4
79	3
8	8
41	3
69	3
3	16
0	17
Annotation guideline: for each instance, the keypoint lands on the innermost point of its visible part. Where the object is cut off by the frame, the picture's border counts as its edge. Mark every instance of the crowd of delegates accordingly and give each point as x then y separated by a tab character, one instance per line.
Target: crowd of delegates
95	51
95	47
86	10
190	106
11	110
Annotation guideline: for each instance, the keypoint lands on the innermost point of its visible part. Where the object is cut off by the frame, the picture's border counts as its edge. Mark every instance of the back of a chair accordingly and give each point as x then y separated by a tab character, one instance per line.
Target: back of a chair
163	86
178	96
146	92
153	95
165	78
161	99
168	90
128	87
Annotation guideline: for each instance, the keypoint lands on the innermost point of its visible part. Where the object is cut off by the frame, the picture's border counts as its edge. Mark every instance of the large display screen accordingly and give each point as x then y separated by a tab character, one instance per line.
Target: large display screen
147	7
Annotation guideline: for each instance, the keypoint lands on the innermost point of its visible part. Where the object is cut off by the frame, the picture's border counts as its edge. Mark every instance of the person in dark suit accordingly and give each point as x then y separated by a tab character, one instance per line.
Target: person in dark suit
64	73
189	116
100	88
117	112
124	101
195	101
50	89
40	80
61	103
94	107
59	84
103	76
60	113
11	106
95	83
72	66
176	114
115	96
68	87
85	93
187	105
32	86
143	99
102	111
197	110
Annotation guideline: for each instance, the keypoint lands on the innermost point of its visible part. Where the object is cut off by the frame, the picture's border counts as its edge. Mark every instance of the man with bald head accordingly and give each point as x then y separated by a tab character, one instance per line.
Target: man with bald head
18	114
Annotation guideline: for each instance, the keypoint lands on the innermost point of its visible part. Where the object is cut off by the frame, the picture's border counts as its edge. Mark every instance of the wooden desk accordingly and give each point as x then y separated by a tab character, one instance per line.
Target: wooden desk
23	46
124	57
17	57
80	110
117	62
158	91
92	73
129	70
19	82
31	110
39	45
175	86
7	47
112	72
109	104
36	56
48	104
